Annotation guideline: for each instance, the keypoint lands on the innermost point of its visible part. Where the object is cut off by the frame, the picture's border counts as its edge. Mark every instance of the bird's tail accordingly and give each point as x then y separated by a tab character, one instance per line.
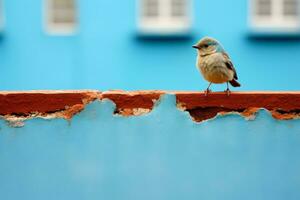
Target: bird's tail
234	83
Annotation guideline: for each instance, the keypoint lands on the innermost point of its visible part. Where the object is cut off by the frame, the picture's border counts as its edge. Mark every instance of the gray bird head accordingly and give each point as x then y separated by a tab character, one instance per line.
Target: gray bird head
207	46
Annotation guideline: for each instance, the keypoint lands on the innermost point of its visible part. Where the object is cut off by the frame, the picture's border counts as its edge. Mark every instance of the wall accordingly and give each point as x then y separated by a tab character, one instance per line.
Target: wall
161	154
106	53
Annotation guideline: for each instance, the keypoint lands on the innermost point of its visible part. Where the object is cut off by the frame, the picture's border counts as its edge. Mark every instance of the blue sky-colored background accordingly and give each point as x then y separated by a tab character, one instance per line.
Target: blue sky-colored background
106	54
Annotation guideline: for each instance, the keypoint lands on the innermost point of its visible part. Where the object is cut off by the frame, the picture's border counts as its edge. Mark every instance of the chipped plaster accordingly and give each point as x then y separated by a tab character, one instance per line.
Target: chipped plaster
16	107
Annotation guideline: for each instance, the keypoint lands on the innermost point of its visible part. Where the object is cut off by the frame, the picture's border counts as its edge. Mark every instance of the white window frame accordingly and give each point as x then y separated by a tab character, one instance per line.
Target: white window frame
164	23
276	22
62	28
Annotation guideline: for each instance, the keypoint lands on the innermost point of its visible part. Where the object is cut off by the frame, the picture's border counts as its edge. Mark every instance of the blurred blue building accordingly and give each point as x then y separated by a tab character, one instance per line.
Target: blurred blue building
145	44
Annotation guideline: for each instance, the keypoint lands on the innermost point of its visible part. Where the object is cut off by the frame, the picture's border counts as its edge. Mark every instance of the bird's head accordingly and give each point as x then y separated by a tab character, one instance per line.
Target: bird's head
207	46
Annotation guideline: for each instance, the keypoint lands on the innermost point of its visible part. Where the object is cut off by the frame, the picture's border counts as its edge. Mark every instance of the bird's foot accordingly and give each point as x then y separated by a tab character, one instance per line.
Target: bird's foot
206	92
228	92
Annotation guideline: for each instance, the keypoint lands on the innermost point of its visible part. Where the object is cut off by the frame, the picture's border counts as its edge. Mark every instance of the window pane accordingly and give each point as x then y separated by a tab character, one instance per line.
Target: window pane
151	8
291	7
63	11
264	7
64	17
179	8
66	4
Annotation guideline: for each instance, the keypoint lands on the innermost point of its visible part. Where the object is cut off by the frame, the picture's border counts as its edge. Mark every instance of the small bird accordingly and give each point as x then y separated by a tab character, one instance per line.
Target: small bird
214	64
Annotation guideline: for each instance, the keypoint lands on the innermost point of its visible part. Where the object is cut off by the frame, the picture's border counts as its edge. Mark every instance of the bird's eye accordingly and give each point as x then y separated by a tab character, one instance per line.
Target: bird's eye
205	46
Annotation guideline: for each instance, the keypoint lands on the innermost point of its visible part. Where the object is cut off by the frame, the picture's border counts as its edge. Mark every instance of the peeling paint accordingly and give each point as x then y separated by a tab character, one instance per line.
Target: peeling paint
15	122
16	107
282	115
250	113
282	105
134	103
132	111
203	114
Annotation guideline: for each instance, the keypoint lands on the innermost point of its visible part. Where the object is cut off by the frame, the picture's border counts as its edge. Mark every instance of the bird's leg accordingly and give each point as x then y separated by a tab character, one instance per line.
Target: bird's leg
207	90
227	90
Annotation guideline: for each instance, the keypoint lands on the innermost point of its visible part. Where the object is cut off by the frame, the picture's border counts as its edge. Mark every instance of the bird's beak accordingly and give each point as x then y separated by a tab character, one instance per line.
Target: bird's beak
195	46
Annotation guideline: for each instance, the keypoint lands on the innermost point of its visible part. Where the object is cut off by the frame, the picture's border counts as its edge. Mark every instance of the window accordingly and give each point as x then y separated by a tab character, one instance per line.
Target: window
61	16
164	17
178	8
280	16
151	8
264	7
291	8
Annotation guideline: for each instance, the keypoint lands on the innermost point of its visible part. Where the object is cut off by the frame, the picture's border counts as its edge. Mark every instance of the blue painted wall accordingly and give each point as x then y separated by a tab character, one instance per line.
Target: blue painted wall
105	53
101	156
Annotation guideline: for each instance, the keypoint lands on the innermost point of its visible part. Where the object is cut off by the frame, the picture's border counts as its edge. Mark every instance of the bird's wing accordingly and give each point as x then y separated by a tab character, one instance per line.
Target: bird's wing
230	66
